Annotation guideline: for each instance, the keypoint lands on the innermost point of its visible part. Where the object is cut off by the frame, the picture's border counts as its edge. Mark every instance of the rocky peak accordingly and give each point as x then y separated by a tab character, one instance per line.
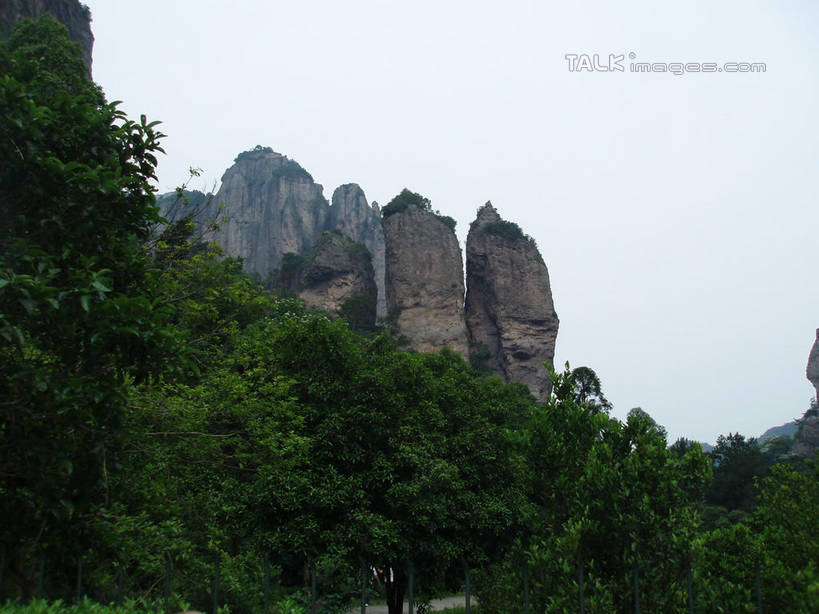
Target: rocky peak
812	370
424	276
487	214
509	310
353	217
272	207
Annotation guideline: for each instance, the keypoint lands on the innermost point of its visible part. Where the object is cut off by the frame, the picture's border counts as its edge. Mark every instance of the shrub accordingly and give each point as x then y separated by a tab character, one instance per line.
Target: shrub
506	230
404	200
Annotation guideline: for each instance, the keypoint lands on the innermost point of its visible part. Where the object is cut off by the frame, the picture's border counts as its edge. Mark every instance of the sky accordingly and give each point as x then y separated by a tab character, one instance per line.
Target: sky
676	210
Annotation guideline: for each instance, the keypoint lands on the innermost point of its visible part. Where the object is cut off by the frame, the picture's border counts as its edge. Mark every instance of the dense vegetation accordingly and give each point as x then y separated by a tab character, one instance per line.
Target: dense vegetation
408	198
161	413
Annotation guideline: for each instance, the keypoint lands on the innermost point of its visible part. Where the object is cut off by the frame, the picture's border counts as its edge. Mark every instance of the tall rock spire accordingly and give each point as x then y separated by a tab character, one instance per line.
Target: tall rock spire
812	370
354	218
509	309
424	279
272	206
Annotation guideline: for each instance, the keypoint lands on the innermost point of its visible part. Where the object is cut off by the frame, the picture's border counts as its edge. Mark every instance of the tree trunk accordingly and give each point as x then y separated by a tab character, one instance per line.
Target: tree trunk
395	585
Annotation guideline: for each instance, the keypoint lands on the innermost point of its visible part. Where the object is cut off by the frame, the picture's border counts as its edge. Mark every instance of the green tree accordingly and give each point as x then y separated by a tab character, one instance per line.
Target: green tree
608	494
77	325
589	390
738	464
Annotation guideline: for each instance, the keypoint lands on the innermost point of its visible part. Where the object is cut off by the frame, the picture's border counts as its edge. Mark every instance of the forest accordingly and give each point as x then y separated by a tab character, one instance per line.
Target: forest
169	426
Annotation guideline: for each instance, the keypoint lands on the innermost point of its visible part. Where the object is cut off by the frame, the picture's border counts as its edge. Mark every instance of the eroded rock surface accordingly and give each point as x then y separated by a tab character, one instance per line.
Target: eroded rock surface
272	207
509	309
336	277
354	218
812	370
424	280
806	440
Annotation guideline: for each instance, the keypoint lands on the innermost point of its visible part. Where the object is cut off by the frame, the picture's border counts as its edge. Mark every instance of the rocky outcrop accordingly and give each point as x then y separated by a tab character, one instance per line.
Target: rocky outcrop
353	217
424	279
812	370
806	440
336	277
272	206
509	309
75	16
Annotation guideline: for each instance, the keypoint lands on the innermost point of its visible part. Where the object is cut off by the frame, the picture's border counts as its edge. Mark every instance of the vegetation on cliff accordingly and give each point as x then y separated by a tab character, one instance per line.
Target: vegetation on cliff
161	413
408	198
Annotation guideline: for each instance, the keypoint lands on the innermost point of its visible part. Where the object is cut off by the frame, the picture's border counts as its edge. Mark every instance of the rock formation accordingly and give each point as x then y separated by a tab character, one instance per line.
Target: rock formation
354	218
509	309
272	214
337	277
75	16
272	206
806	440
269	206
812	370
424	279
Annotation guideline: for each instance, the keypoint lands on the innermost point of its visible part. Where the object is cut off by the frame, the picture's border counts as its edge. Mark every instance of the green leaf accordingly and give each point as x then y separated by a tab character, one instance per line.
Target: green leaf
27	304
85	302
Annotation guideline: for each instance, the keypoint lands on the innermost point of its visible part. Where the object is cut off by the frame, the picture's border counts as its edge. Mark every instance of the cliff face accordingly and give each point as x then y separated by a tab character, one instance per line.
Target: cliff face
812	370
354	218
275	215
424	280
75	16
272	206
509	307
337	277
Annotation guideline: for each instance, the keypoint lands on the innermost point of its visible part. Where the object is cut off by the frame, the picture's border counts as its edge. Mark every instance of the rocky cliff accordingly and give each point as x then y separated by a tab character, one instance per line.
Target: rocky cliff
269	206
75	16
424	277
272	206
812	370
354	218
336	277
509	309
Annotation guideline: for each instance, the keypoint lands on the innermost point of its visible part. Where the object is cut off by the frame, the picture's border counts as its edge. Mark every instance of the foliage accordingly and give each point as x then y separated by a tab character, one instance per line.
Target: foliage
506	230
86	606
359	313
479	359
40	54
588	390
253	153
449	221
738	464
76	310
405	199
291	170
607	492
157	405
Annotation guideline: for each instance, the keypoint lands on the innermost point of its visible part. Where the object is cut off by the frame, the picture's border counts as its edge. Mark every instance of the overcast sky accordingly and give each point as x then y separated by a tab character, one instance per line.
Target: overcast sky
677	213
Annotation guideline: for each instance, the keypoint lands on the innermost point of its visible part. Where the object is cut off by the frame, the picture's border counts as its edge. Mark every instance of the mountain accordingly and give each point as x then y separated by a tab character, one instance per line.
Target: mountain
424	277
270	212
509	309
785	430
269	206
